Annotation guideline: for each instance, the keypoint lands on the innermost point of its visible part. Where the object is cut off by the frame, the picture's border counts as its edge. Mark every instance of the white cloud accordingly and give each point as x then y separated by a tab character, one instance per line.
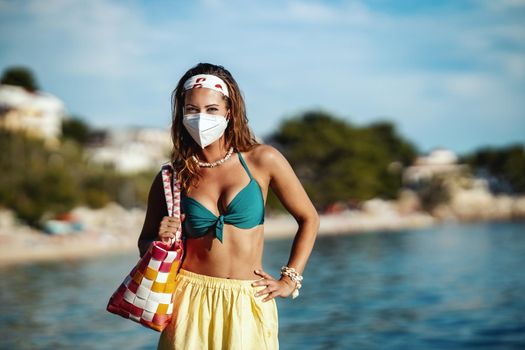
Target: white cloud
419	68
315	12
96	38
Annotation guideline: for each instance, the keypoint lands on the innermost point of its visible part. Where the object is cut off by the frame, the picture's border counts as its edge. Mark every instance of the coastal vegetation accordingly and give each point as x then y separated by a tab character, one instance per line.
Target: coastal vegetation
337	162
20	76
504	166
39	182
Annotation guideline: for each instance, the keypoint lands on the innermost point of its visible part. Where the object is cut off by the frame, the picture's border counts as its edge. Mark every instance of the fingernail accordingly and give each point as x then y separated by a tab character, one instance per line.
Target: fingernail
257	271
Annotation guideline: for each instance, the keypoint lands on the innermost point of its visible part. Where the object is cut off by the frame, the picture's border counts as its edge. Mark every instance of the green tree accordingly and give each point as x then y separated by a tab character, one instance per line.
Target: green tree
505	164
76	128
19	76
38	182
337	161
35	180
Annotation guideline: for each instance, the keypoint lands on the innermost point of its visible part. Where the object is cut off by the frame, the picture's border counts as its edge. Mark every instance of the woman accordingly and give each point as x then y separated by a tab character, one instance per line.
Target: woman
224	299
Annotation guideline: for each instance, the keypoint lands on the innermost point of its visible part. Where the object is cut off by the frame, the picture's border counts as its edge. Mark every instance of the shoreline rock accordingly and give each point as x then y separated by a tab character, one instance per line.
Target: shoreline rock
113	229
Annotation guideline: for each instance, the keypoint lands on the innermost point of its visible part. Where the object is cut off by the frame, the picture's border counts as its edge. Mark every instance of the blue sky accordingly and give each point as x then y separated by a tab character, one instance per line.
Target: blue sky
448	73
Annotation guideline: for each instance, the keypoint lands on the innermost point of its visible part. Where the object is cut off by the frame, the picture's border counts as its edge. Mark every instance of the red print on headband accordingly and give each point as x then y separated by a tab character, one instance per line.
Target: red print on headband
197	85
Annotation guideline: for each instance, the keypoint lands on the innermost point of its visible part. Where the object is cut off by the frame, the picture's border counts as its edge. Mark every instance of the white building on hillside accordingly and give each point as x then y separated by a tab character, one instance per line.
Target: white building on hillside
39	114
439	162
133	149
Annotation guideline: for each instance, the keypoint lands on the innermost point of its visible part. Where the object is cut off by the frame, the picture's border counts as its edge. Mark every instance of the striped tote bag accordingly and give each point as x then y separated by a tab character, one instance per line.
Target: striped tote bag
146	295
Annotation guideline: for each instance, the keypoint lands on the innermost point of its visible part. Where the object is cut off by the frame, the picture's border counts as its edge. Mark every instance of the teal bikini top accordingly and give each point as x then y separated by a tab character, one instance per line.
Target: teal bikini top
246	210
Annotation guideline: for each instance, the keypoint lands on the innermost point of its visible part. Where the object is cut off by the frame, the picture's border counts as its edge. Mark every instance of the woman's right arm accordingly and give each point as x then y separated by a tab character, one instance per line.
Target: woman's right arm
155	212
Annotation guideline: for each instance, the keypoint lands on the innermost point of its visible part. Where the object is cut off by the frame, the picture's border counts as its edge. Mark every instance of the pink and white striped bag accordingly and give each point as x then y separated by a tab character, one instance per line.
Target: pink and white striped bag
146	295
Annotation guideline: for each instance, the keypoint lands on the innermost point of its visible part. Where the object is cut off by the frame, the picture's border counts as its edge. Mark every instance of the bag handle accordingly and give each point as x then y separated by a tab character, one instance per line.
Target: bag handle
172	195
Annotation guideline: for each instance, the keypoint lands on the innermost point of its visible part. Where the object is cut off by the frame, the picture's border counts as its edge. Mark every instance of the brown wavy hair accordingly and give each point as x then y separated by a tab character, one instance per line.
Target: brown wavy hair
237	133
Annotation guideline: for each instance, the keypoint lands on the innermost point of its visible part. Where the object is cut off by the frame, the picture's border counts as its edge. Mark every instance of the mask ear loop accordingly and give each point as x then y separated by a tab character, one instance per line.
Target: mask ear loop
227	116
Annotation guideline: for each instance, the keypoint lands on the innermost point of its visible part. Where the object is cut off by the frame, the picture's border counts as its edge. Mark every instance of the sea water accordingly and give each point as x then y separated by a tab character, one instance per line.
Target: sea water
451	286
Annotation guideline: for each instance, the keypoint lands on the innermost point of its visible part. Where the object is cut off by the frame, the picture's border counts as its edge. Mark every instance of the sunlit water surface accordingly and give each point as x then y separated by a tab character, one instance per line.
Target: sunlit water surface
447	287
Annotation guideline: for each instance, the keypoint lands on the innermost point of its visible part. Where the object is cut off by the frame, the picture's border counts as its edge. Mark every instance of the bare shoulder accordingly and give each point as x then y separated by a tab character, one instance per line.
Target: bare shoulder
268	161
265	156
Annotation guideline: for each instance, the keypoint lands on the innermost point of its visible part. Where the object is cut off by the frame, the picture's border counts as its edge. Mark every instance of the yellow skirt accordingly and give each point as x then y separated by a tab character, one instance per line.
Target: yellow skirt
219	313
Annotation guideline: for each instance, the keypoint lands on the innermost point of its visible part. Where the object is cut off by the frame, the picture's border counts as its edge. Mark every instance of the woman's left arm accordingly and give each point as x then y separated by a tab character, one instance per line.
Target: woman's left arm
289	190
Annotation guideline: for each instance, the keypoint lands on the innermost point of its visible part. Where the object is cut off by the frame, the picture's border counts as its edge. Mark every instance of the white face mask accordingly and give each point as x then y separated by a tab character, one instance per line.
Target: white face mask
205	128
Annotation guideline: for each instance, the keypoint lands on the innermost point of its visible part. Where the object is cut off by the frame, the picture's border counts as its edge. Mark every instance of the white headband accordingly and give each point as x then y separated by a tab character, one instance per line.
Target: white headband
208	81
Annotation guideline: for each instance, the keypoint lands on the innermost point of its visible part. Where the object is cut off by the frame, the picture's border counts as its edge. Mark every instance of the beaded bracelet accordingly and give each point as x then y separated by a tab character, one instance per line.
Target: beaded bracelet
295	277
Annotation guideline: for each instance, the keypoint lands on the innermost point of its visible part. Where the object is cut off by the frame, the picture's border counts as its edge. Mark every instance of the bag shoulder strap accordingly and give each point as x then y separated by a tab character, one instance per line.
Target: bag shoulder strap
172	192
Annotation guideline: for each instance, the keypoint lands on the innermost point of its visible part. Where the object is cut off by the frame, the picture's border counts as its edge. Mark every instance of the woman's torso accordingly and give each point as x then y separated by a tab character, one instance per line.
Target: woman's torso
234	193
